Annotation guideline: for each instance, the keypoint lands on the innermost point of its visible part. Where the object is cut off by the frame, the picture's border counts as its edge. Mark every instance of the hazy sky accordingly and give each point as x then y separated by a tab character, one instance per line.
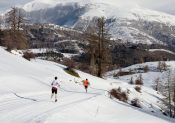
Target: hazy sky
161	5
5	4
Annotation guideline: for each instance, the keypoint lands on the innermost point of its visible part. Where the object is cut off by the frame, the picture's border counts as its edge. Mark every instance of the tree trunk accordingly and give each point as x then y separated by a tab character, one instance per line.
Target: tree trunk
174	98
169	96
92	62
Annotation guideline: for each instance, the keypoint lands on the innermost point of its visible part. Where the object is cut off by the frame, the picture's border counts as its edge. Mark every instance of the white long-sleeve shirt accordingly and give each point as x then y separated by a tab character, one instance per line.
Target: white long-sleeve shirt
55	84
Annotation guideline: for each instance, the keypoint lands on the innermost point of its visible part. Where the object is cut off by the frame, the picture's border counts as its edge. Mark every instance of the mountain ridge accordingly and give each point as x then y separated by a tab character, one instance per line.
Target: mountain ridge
126	22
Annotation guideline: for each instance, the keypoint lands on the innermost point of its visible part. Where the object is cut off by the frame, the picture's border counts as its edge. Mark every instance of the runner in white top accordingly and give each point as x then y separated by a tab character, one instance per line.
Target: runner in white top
55	86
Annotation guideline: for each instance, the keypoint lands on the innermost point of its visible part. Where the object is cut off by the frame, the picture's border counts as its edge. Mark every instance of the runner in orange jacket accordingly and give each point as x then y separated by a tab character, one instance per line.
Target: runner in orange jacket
86	84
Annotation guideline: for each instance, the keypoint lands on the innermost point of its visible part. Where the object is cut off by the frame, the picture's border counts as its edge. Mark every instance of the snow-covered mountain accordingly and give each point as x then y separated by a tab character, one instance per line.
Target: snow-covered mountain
106	8
126	20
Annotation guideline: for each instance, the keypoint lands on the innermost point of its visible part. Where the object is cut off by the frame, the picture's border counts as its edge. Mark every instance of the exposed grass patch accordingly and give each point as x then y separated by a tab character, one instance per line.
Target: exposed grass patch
29	55
136	103
72	72
123	73
118	94
138	89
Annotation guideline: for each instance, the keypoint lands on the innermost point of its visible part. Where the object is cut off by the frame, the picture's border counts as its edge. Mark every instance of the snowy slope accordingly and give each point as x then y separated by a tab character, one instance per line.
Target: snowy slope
163	50
126	20
25	96
148	77
106	8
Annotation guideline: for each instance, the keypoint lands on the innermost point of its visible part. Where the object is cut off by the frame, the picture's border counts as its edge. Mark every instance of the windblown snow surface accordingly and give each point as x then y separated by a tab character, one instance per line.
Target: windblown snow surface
25	96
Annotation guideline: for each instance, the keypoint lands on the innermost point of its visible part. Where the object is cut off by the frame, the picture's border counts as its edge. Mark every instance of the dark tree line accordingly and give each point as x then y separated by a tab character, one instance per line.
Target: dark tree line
13	35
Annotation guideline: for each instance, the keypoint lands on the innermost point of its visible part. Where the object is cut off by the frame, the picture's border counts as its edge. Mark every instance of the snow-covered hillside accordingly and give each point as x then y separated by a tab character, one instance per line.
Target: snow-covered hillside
149	77
106	8
161	50
25	96
126	20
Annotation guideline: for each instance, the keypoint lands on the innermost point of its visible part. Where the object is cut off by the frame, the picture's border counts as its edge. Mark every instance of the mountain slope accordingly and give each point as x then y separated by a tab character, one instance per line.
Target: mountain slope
128	22
25	96
106	8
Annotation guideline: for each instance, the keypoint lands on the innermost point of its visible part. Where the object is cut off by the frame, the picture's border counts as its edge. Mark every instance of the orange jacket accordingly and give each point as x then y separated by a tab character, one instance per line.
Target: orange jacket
85	82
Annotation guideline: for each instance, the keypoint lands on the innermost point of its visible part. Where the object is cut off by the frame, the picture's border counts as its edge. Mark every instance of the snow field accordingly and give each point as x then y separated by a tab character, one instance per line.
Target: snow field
25	96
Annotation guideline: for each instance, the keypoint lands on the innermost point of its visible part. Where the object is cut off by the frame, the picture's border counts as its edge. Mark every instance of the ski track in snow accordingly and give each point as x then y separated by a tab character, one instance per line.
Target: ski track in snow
18	109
